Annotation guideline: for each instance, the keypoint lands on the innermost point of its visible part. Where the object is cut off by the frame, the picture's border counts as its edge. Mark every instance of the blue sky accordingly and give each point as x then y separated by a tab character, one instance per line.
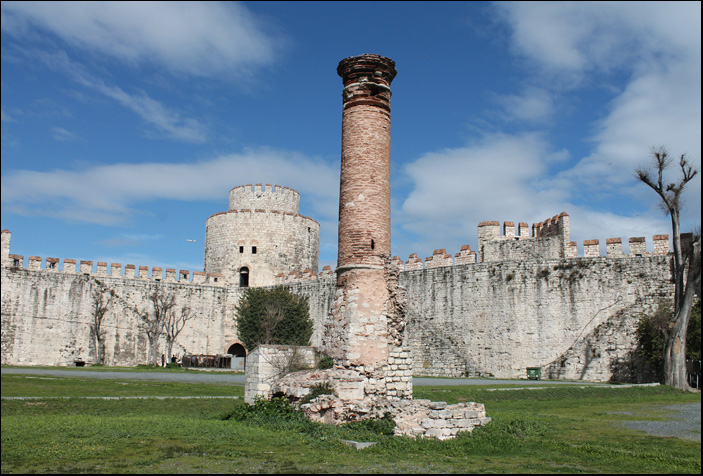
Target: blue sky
125	125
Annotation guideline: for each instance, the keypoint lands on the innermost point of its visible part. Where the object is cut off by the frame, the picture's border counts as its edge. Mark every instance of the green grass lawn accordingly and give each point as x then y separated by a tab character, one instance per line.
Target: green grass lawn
556	430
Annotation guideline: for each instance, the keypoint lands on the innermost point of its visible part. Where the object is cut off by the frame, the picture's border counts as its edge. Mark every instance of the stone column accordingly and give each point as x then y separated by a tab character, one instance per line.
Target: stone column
357	334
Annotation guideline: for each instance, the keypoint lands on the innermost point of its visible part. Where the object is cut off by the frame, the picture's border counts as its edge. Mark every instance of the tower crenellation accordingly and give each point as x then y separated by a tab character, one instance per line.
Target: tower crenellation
264	197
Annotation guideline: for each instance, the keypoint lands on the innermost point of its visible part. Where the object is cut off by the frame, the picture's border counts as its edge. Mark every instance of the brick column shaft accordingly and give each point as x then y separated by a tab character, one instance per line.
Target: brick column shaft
356	335
365	191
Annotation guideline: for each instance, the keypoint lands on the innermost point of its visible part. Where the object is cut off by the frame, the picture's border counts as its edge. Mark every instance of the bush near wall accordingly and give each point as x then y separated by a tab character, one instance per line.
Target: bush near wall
650	335
273	316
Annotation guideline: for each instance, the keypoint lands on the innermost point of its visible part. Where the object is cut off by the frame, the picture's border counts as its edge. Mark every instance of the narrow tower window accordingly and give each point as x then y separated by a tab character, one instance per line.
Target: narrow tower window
253	250
241	249
372	244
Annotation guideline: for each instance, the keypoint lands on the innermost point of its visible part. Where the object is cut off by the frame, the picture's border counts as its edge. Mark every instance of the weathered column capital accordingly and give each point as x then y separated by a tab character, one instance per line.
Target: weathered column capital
367	79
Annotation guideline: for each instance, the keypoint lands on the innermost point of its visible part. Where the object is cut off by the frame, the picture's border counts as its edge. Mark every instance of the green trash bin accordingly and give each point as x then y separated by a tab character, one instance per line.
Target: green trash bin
534	373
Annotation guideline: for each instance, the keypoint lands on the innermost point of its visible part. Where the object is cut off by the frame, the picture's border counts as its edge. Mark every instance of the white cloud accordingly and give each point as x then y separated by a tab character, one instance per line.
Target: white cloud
5	117
506	177
660	104
165	119
196	38
62	135
534	105
497	178
107	194
576	37
656	46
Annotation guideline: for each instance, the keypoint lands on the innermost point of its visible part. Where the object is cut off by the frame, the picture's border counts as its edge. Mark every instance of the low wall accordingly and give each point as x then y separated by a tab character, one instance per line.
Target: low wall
268	363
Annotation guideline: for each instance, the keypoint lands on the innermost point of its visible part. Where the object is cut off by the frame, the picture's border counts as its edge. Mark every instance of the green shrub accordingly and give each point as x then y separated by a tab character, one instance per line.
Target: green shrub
651	332
384	426
273	316
317	390
326	362
275	411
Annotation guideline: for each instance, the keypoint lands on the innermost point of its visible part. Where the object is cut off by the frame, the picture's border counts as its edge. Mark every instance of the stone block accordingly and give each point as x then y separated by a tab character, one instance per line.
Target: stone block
463	423
428	423
434	433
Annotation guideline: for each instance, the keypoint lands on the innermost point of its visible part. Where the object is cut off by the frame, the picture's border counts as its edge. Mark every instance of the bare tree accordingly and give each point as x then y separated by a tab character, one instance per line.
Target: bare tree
174	324
102	300
153	322
686	283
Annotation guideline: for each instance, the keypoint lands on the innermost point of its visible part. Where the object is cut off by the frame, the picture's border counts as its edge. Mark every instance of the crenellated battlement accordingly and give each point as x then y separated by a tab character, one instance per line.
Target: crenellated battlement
261	235
549	239
440	258
264	197
114	270
489	232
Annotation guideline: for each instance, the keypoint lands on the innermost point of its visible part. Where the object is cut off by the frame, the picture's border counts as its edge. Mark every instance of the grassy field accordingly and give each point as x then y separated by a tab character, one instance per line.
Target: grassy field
557	430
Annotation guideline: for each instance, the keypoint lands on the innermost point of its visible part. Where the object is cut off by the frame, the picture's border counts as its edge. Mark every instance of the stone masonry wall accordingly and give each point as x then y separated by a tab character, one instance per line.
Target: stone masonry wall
266	364
573	317
266	197
262	232
283	242
46	316
497	319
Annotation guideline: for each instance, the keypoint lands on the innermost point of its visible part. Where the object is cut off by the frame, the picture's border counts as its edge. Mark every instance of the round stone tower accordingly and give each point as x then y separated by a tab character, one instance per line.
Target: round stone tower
359	333
261	235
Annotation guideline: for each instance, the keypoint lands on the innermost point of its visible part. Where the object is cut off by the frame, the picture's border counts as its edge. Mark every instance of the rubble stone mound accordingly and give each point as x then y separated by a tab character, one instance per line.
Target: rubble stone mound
414	418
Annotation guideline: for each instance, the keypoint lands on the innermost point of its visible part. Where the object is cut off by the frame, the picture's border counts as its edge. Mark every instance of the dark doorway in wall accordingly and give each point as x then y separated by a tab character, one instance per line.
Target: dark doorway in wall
244	277
237	350
239	357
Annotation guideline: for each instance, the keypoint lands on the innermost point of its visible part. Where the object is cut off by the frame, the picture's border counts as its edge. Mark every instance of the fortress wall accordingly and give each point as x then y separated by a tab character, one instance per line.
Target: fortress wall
550	239
283	241
573	317
46	315
499	318
550	247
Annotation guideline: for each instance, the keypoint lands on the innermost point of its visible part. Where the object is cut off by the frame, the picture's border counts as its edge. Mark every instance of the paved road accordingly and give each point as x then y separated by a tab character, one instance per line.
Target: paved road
219	377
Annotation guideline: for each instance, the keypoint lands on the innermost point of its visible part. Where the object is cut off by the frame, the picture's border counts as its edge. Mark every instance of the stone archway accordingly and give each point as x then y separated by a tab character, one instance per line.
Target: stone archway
239	355
237	350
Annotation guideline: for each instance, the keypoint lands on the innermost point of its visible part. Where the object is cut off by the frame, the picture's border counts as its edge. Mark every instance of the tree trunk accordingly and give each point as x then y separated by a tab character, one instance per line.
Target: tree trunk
169	349
675	351
679	265
153	351
99	351
675	344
